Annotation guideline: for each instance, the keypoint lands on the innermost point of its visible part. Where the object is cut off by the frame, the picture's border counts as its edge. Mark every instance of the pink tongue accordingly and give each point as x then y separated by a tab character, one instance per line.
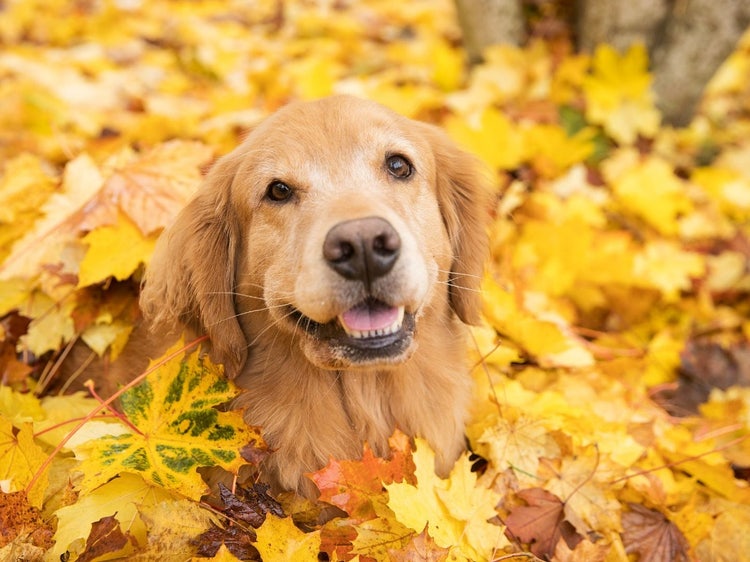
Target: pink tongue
365	317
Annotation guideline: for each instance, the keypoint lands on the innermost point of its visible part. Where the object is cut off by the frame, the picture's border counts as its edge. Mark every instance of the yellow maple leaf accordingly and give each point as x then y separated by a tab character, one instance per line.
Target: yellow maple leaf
314	76
19	407
179	429
108	334
618	94
455	511
728	541
493	137
377	536
175	535
407	99
20	460
568	78
552	151
24	186
543	339
728	187
13	293
665	266
44	243
122	497
651	191
114	251
52	324
516	442
589	505
279	540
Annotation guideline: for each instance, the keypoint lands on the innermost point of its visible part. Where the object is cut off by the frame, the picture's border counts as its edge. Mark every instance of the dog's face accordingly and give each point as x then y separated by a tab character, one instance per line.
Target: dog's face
338	222
345	243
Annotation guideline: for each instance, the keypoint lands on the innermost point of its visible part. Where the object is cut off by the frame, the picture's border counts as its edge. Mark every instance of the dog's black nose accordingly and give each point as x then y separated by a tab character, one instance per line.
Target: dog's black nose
362	249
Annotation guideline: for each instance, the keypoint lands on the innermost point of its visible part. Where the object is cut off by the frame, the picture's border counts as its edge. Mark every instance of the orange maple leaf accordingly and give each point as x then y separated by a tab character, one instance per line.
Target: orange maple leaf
352	485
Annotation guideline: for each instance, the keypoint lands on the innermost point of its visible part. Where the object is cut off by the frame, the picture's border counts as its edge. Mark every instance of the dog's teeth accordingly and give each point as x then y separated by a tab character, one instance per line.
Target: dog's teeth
362	334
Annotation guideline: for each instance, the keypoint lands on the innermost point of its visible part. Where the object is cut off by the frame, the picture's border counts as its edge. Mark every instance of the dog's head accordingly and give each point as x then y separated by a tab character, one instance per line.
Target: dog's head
338	222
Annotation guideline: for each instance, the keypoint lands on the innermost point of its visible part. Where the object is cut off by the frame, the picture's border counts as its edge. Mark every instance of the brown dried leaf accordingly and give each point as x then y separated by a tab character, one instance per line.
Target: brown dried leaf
247	506
705	365
235	539
652	536
542	523
105	537
251	506
18	517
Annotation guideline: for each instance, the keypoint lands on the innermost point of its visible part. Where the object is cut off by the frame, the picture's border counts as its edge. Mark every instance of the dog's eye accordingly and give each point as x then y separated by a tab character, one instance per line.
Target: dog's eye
398	166
278	191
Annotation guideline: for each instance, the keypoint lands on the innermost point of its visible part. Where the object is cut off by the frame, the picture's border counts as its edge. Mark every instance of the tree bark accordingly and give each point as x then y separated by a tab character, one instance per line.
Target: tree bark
697	38
619	23
687	40
489	22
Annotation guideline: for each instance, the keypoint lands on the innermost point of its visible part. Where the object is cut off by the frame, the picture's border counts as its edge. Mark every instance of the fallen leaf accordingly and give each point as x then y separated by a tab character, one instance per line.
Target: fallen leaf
153	187
21	460
421	547
105	538
618	93
121	497
454	511
279	541
541	523
252	506
353	485
114	251
175	402
652	536
18	518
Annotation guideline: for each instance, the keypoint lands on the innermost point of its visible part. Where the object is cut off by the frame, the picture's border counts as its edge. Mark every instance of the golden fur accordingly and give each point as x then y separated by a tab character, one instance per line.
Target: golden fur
250	272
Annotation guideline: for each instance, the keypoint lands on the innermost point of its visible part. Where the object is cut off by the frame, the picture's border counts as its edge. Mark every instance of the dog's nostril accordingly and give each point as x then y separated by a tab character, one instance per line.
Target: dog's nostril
338	252
362	249
386	243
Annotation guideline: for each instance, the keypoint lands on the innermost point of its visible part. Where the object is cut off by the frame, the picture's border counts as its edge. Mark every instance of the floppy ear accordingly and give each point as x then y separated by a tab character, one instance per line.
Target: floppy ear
464	197
190	280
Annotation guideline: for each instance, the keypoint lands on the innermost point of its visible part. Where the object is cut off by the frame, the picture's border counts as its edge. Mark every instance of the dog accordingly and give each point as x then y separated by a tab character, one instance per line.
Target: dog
334	259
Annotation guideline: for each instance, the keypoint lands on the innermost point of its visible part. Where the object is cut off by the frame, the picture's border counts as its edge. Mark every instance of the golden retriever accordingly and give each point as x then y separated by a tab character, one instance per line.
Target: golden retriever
333	259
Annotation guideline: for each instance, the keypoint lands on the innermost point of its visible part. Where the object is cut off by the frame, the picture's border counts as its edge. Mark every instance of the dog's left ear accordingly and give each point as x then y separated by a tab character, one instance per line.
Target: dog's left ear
190	280
464	195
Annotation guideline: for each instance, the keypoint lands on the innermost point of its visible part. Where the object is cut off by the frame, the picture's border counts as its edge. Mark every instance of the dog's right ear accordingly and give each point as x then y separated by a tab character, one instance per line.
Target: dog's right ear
190	280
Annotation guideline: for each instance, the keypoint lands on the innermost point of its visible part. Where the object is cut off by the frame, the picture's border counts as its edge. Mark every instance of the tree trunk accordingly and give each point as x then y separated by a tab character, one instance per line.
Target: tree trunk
687	40
489	22
697	37
619	23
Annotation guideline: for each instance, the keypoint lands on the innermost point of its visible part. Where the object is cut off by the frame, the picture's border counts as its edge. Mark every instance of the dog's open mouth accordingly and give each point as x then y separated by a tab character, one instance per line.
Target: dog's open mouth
368	331
372	319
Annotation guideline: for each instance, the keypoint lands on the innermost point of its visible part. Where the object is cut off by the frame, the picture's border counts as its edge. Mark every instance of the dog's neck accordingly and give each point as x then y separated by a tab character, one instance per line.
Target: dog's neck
423	397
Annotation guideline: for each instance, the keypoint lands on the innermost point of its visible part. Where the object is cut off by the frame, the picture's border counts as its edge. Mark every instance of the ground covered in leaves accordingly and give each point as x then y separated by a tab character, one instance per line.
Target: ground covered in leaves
612	407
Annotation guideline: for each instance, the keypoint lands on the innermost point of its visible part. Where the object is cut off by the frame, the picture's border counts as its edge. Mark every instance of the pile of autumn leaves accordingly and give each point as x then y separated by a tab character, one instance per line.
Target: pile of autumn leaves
611	412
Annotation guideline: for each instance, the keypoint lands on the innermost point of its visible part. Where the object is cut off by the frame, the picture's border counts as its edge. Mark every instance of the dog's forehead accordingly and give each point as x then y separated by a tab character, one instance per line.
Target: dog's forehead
340	125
